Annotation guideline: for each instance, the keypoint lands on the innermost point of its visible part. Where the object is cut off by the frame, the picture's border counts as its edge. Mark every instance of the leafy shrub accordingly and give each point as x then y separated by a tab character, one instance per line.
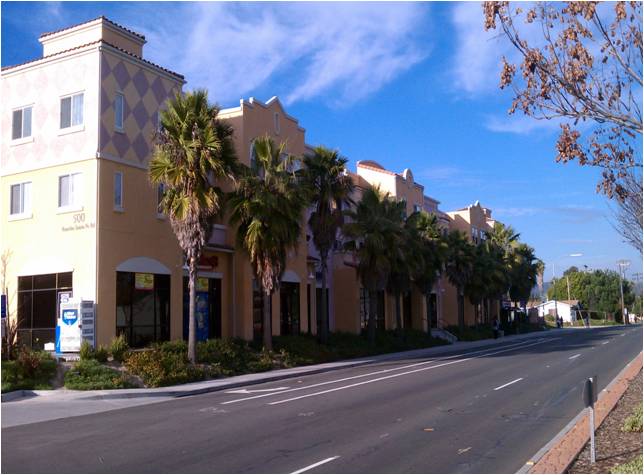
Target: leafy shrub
633	423
301	350
234	355
101	354
31	370
118	348
90	374
263	363
163	368
174	346
86	351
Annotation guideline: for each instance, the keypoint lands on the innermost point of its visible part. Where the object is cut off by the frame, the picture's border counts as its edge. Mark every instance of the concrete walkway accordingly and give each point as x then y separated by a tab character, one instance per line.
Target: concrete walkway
25	407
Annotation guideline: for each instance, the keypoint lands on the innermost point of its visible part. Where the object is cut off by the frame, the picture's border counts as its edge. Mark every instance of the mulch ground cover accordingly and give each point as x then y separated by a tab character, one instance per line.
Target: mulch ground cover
613	446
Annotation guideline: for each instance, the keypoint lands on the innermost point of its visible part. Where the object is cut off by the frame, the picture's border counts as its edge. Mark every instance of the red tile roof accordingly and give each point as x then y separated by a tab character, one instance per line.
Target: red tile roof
89	21
179	76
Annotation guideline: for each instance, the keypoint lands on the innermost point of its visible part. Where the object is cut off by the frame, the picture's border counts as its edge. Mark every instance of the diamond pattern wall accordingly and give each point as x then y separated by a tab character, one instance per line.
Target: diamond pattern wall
144	92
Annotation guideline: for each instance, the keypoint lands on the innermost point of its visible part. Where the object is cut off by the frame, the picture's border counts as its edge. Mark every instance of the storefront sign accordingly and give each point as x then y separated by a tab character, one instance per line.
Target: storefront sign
68	327
143	281
202	284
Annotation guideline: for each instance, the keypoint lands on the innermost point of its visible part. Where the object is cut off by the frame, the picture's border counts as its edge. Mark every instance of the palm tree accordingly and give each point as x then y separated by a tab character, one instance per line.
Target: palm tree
524	268
430	251
193	150
458	266
331	187
400	253
268	205
370	232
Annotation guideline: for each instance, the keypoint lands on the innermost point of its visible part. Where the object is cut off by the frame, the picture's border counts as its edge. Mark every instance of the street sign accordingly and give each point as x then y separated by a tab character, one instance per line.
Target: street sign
590	398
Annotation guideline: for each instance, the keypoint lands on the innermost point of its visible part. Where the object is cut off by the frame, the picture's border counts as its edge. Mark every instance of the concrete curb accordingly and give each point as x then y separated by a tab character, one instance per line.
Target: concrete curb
202	387
558	454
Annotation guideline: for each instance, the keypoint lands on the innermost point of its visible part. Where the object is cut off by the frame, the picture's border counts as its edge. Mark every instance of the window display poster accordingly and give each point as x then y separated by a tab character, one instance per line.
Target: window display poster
143	281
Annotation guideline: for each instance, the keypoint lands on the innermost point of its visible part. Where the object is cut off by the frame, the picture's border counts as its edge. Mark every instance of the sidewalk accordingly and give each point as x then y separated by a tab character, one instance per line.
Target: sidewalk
25	407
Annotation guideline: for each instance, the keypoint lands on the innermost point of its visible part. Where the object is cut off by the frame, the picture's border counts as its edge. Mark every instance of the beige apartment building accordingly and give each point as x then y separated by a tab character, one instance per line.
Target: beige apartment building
80	218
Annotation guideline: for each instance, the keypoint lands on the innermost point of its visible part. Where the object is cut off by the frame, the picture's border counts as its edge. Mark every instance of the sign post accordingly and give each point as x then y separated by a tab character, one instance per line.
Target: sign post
590	398
68	327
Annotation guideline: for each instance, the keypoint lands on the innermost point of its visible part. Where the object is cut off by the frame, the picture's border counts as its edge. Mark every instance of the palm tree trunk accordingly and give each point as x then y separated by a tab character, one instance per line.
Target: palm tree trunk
324	330
461	310
268	334
192	333
398	316
371	322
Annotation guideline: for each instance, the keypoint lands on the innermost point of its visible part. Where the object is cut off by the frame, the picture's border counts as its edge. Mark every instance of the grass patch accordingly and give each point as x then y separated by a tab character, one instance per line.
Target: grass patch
31	370
634	466
633	423
90	374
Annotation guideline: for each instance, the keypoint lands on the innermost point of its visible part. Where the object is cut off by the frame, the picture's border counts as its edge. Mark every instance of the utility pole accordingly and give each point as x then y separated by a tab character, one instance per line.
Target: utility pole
622	264
568	284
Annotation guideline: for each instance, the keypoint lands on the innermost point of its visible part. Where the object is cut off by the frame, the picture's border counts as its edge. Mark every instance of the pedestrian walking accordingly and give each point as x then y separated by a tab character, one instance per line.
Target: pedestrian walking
495	327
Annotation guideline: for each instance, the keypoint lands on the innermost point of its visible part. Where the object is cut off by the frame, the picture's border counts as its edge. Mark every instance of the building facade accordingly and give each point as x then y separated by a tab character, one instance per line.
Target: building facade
80	218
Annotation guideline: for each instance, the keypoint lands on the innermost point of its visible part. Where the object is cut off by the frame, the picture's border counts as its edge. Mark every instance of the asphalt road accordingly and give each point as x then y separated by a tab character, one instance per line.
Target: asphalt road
485	410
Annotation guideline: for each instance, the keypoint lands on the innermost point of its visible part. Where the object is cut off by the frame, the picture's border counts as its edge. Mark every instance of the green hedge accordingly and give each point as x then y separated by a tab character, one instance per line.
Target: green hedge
91	374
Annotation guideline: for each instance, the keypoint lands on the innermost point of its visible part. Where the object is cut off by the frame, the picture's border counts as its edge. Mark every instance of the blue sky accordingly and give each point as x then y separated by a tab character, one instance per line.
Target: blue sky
408	85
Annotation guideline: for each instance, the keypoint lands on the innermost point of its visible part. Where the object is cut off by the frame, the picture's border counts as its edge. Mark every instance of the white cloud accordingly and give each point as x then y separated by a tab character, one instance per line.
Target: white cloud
519	123
344	50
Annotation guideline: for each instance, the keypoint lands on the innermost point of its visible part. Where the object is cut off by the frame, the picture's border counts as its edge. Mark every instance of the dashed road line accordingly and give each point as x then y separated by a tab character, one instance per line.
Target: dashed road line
507	384
575	356
317	464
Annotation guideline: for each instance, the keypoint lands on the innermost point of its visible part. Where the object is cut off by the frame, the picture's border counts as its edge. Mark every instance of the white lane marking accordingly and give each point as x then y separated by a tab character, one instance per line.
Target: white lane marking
395	375
575	356
317	464
605	342
623	334
513	345
249	391
507	384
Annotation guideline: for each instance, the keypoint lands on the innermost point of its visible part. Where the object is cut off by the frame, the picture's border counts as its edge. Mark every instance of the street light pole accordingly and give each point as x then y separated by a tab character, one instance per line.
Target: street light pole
623	263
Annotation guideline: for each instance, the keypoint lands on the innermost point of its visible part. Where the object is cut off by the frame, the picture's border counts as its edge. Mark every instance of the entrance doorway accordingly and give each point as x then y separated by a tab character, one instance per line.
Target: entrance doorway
406	301
207	308
289	308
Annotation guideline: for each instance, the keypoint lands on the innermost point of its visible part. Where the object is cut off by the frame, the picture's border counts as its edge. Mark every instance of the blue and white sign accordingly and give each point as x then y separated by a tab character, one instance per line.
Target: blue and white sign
68	327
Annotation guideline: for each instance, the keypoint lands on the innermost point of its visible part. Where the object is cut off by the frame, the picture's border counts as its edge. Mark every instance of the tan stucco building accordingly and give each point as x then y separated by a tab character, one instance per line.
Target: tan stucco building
80	217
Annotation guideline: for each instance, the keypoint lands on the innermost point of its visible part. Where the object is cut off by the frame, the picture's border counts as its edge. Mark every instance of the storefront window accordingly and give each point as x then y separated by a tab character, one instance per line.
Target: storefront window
38	306
143	307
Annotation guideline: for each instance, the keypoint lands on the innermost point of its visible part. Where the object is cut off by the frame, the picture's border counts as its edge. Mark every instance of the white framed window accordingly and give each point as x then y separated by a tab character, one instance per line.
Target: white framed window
71	110
417	208
118	191
69	191
160	193
20	200
119	107
276	119
21	123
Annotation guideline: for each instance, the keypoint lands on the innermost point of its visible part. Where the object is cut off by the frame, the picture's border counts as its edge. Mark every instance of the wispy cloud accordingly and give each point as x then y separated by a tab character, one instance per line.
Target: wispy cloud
306	51
519	124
